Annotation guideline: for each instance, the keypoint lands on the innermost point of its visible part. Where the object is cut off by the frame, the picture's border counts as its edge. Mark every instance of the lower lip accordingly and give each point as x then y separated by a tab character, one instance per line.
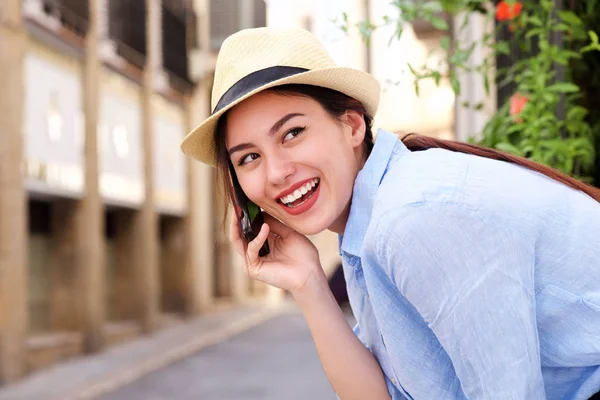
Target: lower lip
304	207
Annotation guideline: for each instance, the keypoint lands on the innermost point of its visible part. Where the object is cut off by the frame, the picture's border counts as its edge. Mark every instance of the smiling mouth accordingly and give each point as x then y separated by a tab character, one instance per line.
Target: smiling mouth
300	195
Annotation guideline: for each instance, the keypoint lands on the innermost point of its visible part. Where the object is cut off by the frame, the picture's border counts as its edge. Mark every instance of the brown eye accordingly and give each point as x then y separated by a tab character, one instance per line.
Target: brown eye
248	158
293	133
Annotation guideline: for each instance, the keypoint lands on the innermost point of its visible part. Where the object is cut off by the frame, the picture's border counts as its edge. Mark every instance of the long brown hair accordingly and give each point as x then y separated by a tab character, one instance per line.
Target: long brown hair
336	104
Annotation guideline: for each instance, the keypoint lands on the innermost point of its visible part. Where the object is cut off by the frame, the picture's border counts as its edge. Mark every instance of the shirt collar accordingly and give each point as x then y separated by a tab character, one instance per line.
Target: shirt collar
365	188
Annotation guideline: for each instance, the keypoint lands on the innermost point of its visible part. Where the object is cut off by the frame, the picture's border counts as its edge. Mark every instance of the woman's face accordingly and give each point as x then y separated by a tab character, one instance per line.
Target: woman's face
296	161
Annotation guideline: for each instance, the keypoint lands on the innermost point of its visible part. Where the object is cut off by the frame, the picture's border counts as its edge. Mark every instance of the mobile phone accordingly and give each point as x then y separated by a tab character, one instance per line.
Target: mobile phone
250	215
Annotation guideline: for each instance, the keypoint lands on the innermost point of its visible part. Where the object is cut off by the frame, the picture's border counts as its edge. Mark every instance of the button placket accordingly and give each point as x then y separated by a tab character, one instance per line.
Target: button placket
356	266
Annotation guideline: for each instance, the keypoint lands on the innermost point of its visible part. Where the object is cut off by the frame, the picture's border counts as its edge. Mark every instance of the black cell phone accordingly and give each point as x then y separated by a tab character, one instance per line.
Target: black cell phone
250	215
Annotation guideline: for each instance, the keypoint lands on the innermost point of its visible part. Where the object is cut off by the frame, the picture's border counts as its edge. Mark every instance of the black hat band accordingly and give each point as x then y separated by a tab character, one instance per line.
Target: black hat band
254	81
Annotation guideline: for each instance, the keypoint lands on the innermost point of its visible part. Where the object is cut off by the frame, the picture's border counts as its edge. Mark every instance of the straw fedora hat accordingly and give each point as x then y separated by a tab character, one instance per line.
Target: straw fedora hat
253	60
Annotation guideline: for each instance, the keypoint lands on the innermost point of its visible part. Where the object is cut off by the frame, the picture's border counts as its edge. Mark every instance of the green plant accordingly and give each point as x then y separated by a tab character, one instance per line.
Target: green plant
545	119
586	72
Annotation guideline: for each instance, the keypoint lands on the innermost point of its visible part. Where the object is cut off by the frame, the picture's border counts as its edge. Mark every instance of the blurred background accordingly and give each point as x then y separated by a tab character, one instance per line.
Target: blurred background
108	234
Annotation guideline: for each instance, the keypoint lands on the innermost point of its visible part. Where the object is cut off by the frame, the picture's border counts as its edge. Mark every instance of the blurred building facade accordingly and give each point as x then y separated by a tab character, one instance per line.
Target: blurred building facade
107	232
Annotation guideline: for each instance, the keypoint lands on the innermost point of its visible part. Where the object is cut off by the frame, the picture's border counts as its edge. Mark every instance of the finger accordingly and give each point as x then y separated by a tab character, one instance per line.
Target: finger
277	227
234	236
255	245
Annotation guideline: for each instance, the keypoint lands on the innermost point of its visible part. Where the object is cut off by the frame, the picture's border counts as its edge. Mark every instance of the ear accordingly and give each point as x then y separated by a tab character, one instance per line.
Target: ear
356	122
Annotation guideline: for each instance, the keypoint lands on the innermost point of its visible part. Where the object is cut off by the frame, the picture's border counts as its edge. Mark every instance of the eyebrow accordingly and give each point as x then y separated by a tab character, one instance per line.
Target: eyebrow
276	126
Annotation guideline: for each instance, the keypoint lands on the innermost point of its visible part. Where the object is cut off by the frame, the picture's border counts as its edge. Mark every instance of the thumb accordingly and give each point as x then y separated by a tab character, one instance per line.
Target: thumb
278	227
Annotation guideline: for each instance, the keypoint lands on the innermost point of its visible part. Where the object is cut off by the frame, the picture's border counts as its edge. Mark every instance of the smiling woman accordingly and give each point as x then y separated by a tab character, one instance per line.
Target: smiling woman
471	273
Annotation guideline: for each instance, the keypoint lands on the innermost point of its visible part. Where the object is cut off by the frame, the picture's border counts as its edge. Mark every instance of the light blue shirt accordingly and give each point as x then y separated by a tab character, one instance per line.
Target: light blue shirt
472	278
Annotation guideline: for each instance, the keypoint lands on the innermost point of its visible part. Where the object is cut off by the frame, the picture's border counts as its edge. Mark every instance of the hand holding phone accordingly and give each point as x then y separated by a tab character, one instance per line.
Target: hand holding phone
250	215
293	264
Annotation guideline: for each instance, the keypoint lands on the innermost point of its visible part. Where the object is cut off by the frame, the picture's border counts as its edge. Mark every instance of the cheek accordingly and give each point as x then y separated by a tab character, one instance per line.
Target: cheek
329	151
339	178
253	187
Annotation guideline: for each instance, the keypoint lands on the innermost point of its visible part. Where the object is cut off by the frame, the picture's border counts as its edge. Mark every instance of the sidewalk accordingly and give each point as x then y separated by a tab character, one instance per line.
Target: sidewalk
276	360
93	375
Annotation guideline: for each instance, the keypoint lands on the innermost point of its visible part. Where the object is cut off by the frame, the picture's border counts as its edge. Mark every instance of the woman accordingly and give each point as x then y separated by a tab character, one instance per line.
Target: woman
469	277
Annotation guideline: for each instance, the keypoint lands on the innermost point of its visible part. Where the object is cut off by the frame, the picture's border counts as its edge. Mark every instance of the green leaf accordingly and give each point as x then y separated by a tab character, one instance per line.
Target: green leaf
399	29
486	83
465	22
577	113
549	97
451	6
561	60
455	85
461	56
502	47
509	148
513	128
570	17
432	7
535	21
578	33
547	5
437	76
594	45
445	43
563	87
533	32
527	148
408	10
406	6
568	54
560	27
439	23
590	47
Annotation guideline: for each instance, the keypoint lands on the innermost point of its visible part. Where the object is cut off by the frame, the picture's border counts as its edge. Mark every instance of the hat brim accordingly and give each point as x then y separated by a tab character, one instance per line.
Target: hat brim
199	143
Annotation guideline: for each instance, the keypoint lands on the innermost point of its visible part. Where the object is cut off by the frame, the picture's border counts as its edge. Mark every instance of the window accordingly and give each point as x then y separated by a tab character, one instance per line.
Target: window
178	26
230	16
127	29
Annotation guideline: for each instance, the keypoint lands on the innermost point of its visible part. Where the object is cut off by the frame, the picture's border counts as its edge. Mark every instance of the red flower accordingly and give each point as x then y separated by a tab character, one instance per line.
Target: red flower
505	11
517	104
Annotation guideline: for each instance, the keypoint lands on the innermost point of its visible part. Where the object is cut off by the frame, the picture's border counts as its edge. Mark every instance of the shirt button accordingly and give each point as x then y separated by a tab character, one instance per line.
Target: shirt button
394	381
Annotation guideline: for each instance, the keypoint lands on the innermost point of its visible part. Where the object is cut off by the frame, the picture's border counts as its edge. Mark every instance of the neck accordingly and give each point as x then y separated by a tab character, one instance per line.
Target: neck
339	225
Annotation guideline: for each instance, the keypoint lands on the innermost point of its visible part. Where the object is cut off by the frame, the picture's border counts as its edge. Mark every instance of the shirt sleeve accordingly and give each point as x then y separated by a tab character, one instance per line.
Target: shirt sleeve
395	394
472	282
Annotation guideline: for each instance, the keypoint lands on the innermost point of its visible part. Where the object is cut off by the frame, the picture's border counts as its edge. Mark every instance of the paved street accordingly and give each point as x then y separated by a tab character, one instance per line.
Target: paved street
274	361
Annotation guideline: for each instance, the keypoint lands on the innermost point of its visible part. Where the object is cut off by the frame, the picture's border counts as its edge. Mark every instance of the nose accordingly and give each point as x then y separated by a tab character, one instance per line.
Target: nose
279	168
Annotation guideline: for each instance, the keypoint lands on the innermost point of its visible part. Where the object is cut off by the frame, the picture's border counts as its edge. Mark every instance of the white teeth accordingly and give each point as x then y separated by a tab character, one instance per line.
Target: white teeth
299	192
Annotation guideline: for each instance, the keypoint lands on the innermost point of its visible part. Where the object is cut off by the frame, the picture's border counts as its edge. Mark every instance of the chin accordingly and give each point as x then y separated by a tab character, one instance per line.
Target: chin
310	232
309	228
